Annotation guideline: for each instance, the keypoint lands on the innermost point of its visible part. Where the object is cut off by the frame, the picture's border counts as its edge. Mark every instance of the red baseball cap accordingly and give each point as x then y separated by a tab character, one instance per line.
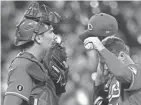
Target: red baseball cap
101	24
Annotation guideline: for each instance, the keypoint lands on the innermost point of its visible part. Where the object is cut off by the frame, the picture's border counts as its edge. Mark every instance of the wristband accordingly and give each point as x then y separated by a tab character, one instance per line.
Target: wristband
100	48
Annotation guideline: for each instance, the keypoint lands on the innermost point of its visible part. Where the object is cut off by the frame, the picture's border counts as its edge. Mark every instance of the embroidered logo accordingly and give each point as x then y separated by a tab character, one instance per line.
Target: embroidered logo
114	91
90	27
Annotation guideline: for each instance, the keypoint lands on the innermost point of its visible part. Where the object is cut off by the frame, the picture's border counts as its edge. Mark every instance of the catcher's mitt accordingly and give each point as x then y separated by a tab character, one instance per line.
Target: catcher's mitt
55	62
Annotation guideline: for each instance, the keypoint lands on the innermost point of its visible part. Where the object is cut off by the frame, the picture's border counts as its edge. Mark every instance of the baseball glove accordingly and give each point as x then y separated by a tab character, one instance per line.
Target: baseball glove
55	62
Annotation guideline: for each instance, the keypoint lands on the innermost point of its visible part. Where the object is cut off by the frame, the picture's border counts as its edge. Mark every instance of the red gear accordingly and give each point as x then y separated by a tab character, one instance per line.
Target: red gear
35	22
28	29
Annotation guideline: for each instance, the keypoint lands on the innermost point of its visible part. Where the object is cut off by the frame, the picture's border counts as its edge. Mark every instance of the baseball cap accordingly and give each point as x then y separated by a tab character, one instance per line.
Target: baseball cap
100	24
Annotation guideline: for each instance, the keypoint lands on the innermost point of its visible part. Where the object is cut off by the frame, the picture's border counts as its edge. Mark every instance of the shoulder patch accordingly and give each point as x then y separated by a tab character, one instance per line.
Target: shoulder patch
133	69
20	87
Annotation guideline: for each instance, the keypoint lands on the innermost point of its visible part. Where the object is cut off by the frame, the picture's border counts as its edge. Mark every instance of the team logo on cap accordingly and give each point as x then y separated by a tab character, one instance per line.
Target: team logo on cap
90	27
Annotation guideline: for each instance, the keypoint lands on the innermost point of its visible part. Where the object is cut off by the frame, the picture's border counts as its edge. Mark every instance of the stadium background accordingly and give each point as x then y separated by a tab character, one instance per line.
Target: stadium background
79	86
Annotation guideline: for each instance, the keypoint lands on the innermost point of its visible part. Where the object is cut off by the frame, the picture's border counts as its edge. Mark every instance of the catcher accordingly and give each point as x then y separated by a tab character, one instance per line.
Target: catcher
118	77
38	74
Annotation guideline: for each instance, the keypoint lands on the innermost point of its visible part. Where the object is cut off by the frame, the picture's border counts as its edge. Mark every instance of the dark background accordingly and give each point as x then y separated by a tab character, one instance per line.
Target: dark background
79	86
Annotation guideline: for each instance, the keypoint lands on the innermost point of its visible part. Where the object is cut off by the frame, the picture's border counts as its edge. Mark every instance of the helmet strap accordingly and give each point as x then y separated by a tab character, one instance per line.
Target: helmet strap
36	31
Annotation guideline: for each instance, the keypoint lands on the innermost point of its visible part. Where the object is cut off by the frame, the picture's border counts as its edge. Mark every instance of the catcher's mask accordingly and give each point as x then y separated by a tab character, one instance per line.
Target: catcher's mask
28	29
35	22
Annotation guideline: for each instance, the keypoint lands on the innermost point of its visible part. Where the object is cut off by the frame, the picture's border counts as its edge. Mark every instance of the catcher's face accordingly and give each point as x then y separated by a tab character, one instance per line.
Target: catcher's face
47	39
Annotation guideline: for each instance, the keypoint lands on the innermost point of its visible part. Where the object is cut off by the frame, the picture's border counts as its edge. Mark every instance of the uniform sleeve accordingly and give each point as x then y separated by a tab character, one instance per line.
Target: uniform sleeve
135	69
115	66
19	83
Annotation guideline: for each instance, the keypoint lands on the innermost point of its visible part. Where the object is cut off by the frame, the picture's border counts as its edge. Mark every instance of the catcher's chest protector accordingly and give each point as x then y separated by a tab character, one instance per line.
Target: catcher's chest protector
44	94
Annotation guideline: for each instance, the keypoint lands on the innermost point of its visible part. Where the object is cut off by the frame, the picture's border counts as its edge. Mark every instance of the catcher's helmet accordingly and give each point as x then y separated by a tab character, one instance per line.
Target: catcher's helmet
28	29
35	22
101	24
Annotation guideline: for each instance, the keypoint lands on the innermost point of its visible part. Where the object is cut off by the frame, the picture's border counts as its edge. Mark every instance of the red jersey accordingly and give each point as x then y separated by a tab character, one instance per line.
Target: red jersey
128	89
27	77
119	94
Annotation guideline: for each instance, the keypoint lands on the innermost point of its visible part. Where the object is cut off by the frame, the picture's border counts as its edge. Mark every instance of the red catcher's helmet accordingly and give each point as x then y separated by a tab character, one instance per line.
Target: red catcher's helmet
28	29
101	24
36	21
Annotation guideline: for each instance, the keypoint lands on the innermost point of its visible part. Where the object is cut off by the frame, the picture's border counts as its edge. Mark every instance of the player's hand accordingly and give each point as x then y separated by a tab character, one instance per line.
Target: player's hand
93	43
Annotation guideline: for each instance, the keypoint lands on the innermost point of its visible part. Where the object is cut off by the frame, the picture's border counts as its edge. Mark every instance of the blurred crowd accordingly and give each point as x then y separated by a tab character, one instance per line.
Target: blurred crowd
80	80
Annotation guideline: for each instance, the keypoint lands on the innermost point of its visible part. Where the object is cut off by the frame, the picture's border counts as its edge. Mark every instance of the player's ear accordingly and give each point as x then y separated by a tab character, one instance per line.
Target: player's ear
38	38
121	56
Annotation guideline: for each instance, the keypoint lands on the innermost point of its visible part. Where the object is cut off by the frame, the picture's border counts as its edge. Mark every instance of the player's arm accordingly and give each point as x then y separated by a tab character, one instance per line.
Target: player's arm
125	74
116	66
99	92
135	70
12	100
98	87
129	76
19	87
97	84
